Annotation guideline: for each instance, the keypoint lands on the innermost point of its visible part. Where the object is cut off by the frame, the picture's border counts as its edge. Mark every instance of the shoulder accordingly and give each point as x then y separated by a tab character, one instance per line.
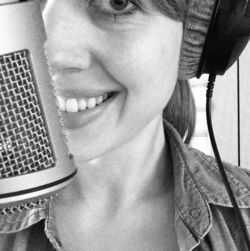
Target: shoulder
205	170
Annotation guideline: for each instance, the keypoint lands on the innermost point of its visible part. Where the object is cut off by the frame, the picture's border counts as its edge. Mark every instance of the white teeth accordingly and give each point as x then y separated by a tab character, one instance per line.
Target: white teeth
71	105
99	100
82	104
61	103
91	103
75	105
105	96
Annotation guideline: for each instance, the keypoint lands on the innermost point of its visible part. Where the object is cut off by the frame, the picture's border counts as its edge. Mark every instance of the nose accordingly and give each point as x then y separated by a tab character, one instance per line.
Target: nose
68	38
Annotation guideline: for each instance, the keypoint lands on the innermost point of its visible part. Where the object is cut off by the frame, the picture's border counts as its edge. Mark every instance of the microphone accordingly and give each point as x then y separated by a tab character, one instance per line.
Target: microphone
35	161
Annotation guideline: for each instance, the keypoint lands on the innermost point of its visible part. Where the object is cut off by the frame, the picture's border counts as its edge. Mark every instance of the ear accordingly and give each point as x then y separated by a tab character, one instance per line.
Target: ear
227	36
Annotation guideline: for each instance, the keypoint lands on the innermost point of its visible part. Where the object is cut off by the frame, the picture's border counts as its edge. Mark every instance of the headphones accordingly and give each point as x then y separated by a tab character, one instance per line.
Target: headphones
228	35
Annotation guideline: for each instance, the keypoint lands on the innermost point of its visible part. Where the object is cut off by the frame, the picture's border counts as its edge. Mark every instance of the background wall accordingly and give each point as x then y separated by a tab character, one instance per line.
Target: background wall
224	113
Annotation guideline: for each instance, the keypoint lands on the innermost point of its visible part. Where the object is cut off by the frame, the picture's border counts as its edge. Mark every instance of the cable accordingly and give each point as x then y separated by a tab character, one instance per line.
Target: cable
238	109
241	222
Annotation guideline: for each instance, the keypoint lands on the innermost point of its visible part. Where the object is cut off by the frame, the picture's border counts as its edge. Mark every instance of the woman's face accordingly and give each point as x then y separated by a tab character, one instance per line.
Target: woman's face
124	53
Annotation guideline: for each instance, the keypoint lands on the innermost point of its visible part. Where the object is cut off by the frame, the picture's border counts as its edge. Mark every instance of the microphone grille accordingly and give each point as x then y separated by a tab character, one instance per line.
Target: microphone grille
41	202
25	145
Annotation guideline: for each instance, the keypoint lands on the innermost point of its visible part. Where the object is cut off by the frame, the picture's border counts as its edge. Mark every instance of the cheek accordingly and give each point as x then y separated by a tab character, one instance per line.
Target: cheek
148	67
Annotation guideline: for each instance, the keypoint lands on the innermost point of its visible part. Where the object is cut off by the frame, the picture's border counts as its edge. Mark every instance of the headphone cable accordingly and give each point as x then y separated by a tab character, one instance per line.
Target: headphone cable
210	87
238	110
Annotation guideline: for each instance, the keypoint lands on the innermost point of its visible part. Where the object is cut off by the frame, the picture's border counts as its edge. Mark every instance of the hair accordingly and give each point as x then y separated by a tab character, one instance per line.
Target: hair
180	110
175	9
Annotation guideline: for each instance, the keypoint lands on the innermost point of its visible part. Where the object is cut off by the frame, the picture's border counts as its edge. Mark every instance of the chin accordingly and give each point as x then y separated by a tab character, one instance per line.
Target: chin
83	155
86	152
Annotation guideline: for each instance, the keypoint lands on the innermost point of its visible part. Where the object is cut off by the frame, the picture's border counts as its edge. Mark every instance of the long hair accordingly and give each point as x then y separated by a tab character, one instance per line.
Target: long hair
181	111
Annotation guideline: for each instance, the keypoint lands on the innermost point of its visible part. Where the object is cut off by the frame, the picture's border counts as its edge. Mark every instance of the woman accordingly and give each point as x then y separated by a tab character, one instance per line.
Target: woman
115	64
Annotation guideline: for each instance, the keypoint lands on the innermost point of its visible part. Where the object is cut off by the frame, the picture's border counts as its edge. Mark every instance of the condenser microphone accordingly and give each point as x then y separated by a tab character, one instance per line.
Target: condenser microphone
34	158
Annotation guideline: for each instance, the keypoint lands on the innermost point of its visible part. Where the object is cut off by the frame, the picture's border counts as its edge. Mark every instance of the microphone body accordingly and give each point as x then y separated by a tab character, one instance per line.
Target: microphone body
34	158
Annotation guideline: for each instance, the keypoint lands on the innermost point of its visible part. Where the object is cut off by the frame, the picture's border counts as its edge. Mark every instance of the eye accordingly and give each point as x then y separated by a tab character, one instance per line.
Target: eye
119	5
114	6
114	10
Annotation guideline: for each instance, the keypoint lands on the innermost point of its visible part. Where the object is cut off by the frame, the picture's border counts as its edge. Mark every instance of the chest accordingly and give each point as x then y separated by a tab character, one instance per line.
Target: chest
145	228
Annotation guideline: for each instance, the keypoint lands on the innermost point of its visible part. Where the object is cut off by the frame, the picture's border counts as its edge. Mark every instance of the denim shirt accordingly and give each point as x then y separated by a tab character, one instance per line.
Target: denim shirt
204	218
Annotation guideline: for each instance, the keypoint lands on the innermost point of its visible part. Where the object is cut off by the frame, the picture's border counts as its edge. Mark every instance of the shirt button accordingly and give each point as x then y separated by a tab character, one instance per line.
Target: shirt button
195	212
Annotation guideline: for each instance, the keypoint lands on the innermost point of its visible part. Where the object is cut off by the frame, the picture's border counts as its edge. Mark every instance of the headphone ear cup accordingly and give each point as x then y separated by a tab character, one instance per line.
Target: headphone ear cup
228	35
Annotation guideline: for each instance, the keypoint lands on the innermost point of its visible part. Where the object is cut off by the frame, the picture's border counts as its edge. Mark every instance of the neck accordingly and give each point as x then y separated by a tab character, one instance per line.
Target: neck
135	171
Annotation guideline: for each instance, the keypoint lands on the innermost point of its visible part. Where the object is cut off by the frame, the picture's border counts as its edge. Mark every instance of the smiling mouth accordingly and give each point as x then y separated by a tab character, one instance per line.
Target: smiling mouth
73	105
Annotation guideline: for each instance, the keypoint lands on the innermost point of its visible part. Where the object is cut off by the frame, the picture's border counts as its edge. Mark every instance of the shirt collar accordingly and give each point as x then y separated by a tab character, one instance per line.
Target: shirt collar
193	214
198	183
